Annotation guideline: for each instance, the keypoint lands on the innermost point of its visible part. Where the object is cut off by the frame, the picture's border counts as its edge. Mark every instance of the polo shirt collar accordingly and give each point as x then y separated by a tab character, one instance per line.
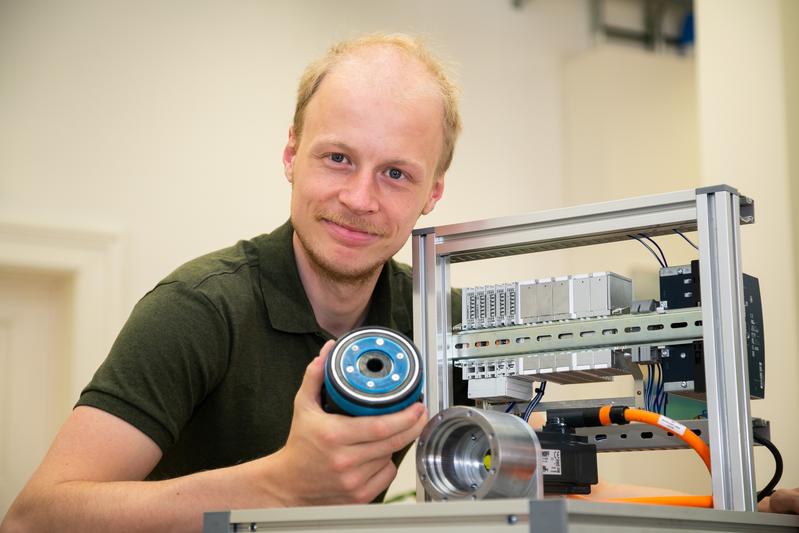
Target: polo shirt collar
287	302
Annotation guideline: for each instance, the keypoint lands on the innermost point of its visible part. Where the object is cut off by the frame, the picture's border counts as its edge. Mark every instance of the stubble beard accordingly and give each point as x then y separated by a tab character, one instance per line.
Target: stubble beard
336	272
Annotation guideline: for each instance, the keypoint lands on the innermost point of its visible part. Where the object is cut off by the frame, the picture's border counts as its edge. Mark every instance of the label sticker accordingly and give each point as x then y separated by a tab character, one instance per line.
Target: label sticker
671	425
550	462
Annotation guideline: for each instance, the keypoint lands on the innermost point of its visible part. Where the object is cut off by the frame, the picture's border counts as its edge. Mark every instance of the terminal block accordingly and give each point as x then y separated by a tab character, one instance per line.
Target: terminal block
544	300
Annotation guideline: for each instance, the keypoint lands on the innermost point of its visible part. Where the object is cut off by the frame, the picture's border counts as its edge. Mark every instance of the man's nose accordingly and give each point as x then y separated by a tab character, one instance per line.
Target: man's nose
359	193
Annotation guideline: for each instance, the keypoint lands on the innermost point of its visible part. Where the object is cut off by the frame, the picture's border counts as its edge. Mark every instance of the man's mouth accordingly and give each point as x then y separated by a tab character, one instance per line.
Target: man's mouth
355	228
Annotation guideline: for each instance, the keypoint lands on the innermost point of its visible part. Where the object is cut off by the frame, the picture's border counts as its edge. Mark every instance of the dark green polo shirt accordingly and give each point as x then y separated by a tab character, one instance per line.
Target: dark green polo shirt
209	361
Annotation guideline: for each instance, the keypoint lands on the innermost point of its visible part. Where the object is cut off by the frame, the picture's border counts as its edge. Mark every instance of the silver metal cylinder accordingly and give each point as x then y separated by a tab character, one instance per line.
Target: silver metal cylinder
468	453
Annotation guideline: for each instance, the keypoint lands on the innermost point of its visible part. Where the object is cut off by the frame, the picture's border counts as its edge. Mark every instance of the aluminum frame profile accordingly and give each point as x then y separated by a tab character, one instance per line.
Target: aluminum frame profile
726	368
716	212
558	515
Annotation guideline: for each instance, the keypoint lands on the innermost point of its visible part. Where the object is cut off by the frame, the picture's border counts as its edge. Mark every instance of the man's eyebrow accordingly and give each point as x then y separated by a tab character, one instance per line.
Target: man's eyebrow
332	142
404	163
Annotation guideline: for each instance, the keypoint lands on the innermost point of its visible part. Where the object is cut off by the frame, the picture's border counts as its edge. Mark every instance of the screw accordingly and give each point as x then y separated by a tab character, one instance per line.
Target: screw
370	383
380	342
512	519
350	369
400	355
684	385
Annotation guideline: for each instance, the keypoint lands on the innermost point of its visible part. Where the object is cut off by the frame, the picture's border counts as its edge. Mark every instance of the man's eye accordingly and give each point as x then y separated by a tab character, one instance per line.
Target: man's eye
394	173
337	157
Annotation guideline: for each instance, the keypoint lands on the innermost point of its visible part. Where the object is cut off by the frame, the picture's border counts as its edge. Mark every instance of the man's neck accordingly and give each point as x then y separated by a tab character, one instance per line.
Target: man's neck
338	306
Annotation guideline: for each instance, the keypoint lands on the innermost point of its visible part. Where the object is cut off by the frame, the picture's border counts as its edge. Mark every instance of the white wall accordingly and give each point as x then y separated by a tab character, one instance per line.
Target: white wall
167	119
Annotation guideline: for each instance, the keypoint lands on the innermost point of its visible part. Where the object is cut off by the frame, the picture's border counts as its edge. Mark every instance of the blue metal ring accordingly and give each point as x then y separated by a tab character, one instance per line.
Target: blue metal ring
373	370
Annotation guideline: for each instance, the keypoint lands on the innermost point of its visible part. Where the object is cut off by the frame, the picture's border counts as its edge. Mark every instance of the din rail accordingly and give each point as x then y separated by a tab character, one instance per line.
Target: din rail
667	327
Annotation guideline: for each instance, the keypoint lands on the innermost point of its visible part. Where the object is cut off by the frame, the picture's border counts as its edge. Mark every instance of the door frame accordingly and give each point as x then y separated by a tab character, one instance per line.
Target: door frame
92	258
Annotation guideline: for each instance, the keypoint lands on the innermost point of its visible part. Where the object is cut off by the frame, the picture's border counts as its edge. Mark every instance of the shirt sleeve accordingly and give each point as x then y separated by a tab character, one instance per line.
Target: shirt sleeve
172	351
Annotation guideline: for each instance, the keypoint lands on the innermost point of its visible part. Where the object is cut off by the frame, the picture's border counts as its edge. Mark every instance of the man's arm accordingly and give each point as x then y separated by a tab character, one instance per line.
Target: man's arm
91	477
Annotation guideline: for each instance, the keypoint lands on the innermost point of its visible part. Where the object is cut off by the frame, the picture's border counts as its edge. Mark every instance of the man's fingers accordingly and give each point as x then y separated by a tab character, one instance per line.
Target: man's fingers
376	450
378	483
366	429
315	375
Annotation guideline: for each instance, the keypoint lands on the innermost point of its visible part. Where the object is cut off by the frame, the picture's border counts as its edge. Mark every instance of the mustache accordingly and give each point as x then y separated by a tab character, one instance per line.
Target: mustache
352	222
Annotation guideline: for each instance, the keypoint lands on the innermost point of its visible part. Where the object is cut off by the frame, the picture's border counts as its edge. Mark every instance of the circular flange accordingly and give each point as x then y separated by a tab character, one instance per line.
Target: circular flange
373	370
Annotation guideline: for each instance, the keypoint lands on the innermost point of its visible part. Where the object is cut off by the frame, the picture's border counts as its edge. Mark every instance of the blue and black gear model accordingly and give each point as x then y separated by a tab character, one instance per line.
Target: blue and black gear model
372	371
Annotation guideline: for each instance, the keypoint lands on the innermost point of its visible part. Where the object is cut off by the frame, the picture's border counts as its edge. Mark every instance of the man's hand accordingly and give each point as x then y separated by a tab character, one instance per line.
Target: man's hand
331	458
782	501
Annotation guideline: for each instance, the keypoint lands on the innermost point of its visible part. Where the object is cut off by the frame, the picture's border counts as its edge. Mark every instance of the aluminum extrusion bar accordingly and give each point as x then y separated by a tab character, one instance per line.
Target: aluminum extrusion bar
671	327
571	226
425	319
726	368
498	516
567	227
432	322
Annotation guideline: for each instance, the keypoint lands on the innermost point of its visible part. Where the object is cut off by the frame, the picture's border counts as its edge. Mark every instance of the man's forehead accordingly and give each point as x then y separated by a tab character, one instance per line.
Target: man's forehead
384	68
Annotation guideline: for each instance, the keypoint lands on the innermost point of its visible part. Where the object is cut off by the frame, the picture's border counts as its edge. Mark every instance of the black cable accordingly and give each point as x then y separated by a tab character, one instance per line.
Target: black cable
768	490
535	401
648	248
689	241
656	246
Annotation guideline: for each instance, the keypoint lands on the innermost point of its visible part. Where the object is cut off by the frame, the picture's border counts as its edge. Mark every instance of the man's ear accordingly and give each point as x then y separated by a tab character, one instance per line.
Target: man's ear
435	195
289	153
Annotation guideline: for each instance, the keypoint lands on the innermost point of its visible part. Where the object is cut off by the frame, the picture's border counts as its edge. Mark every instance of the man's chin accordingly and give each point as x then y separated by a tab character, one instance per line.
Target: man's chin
349	276
341	263
348	268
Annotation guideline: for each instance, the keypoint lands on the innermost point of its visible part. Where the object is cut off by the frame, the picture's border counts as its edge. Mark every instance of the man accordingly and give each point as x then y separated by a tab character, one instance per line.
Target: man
191	412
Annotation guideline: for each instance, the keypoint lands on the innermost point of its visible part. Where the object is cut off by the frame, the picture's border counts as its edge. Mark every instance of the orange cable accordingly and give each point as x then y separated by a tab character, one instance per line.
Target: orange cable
604	415
677	429
685	501
632	414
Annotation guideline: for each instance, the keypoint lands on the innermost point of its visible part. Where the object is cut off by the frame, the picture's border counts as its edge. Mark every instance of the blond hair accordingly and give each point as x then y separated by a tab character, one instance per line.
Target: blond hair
413	48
